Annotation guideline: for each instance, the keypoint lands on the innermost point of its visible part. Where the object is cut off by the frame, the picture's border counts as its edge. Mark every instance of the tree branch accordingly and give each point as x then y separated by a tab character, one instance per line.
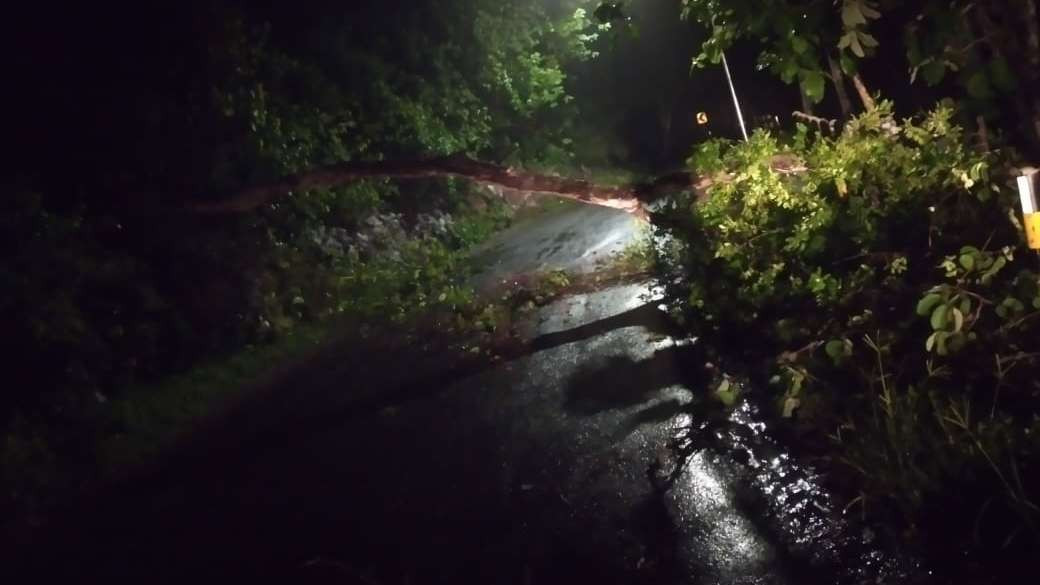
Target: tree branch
820	123
864	95
628	198
838	79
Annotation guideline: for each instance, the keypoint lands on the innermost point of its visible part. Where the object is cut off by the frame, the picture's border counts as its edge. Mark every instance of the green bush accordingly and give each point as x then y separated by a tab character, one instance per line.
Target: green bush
890	283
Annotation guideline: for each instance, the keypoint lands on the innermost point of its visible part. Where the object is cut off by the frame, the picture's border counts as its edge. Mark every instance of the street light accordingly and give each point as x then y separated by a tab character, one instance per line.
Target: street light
733	92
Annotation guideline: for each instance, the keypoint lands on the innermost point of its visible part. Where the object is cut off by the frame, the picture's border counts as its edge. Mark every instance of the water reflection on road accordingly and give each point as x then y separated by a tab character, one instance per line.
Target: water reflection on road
740	508
600	457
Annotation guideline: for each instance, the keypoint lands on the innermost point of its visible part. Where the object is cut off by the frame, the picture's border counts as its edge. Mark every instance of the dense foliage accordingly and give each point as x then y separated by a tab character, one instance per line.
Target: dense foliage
882	273
891	285
882	269
110	285
985	55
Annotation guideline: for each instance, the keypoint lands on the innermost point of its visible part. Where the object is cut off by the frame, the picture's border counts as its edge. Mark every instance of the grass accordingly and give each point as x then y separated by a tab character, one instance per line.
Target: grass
149	419
44	460
635	258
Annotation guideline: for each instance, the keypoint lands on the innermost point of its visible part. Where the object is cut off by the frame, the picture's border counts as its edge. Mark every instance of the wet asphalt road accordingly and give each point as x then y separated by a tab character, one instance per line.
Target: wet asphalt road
602	457
569	236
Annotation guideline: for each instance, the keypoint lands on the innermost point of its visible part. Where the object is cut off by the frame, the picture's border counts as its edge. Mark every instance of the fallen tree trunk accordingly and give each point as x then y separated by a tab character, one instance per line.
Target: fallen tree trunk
628	198
450	166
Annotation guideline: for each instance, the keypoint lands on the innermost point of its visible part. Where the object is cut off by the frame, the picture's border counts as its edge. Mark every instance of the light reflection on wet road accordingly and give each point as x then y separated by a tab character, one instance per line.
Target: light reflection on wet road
572	237
600	458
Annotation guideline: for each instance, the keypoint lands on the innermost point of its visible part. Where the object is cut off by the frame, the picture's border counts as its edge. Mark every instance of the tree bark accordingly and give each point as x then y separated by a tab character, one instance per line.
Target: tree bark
838	79
629	198
807	106
984	145
864	95
822	124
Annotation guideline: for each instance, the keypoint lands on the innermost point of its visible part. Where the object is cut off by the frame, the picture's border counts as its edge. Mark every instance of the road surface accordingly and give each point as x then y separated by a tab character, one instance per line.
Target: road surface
600	457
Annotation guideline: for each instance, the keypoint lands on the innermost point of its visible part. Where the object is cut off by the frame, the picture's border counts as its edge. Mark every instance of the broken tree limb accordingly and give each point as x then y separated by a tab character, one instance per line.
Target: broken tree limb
629	198
821	123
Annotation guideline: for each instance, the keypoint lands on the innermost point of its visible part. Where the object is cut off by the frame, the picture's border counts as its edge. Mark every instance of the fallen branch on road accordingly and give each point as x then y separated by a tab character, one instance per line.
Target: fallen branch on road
629	198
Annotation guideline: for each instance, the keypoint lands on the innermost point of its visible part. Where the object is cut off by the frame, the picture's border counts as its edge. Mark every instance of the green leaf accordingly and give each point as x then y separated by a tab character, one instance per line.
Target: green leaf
851	40
940	342
790	405
866	39
1003	78
933	72
927	303
998	264
851	15
813	84
799	45
835	348
848	64
857	49
846	40
869	11
940	317
967	261
958	320
727	392
978	86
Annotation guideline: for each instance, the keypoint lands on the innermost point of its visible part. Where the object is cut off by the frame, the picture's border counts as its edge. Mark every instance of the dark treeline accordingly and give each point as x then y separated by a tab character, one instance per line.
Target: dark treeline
120	115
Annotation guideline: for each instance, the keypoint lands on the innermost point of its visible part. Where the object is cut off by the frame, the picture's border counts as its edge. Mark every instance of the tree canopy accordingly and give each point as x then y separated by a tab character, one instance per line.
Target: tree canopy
983	55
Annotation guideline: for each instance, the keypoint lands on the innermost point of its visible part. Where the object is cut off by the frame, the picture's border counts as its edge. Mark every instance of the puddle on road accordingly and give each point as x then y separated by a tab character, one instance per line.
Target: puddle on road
750	513
742	508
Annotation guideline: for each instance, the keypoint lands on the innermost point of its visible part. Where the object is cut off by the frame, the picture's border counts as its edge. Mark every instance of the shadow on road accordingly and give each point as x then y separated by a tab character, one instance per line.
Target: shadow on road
647	316
622	382
297	501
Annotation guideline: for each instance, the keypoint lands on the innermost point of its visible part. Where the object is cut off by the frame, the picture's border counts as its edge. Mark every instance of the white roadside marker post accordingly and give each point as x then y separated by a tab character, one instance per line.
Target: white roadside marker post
1030	216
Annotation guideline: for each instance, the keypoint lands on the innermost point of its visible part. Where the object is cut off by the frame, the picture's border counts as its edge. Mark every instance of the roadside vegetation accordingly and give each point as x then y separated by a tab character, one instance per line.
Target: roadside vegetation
890	288
882	278
313	292
128	318
877	283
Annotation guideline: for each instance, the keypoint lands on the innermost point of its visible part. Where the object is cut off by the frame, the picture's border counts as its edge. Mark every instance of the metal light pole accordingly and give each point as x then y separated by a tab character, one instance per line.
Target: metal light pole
733	92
